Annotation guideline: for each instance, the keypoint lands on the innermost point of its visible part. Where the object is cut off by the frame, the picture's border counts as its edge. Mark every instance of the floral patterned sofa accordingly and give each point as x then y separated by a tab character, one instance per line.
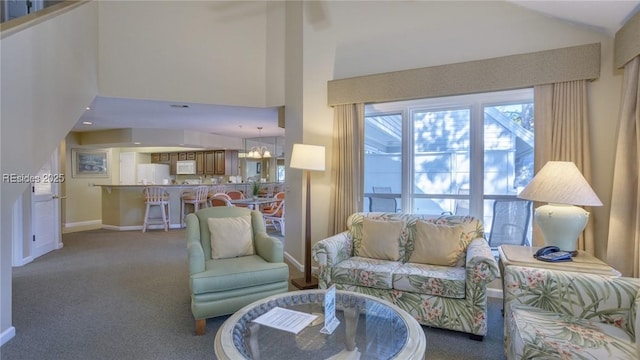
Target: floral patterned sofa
552	314
451	296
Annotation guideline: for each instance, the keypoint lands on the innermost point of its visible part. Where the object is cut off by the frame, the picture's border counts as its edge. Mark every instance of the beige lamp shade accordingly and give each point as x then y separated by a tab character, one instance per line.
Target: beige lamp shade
560	182
308	157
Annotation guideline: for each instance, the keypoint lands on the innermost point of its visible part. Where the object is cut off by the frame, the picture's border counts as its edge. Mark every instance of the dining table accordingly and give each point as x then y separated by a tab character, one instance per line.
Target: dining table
254	203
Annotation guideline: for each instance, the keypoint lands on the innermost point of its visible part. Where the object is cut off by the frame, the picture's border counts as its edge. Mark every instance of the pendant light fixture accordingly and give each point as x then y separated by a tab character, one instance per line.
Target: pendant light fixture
259	152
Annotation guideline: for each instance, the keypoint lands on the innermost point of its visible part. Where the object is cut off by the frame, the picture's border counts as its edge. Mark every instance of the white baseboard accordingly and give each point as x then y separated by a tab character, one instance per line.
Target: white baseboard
139	227
495	293
7	335
298	265
96	223
23	261
293	261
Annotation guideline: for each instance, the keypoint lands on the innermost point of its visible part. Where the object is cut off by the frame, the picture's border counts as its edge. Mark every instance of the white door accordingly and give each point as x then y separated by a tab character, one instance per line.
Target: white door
45	209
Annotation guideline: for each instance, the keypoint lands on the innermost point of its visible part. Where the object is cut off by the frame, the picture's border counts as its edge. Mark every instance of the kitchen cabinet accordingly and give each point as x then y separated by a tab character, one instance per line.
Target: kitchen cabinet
199	157
160	158
215	162
209	168
231	162
173	159
219	162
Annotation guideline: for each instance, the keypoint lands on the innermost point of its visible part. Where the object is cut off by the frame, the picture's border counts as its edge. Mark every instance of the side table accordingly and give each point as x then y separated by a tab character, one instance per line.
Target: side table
523	256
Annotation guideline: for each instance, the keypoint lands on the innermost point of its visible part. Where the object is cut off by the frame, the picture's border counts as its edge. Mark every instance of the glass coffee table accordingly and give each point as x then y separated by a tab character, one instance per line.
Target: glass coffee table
370	328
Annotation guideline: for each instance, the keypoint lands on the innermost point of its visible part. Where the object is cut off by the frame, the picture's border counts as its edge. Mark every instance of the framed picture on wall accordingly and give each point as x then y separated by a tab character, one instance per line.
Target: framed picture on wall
89	163
258	168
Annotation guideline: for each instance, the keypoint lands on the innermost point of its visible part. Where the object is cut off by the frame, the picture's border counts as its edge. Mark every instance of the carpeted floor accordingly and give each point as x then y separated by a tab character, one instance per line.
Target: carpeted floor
124	295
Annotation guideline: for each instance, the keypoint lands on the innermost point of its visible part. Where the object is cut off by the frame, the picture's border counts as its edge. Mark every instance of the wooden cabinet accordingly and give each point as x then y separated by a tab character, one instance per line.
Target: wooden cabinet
199	157
216	162
231	162
209	167
173	159
160	158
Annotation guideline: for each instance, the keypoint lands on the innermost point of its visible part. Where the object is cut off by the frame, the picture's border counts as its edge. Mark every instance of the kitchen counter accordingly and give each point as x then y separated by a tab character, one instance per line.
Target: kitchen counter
123	206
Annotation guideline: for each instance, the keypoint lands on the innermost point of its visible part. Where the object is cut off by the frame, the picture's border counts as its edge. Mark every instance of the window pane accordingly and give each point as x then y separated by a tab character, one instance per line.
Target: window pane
440	160
508	163
383	162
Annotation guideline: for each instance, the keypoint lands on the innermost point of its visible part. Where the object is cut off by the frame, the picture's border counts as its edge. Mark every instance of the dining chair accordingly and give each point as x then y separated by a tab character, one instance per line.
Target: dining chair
219	201
382	189
275	216
510	222
269	207
156	196
237	195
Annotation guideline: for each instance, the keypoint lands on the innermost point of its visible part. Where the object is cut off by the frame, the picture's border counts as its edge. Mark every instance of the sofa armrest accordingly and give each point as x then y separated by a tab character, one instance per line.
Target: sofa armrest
269	248
598	298
481	266
330	251
194	247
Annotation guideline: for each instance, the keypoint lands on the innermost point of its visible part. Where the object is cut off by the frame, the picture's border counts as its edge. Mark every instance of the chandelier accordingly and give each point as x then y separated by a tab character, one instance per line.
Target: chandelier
259	152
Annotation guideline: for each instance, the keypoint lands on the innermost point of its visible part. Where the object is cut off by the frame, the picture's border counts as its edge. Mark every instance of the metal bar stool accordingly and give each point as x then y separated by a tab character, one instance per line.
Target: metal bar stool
156	196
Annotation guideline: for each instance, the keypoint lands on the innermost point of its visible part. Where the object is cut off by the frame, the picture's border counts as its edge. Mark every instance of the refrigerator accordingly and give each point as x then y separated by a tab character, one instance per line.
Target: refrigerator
153	174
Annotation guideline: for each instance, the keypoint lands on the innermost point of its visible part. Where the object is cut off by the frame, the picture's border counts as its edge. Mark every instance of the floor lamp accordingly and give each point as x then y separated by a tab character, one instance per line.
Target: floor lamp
309	158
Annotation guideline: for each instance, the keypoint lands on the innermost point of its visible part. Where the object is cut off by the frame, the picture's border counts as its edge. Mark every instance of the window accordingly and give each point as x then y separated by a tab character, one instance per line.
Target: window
452	155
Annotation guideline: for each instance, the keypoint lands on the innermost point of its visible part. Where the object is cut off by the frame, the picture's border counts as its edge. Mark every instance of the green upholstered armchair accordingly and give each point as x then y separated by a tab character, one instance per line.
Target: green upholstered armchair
224	285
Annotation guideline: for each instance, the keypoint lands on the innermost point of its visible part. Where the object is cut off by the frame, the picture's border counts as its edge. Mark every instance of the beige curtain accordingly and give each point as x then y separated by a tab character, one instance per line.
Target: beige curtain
347	164
562	134
623	248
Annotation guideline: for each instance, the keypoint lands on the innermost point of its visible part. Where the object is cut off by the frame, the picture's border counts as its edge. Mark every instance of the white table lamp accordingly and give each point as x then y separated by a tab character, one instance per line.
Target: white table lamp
310	158
561	185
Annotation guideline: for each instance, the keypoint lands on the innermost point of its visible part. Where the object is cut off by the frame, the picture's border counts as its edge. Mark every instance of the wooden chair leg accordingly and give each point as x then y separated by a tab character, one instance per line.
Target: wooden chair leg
200	326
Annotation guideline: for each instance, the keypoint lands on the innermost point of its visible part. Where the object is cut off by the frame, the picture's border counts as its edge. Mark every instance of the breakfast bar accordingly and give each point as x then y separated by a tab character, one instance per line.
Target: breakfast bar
123	206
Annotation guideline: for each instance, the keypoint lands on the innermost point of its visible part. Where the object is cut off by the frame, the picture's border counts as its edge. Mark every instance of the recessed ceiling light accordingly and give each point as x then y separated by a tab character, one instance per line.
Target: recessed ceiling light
180	106
87	108
137	143
87	123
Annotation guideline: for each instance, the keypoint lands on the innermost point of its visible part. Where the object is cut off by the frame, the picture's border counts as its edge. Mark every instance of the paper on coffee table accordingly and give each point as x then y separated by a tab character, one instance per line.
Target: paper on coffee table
285	319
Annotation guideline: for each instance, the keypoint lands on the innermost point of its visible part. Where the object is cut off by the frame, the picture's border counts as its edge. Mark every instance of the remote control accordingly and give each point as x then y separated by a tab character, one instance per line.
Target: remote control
557	256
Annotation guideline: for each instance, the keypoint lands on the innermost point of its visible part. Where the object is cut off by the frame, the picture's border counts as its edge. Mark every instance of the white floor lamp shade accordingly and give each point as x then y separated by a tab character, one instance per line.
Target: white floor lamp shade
561	185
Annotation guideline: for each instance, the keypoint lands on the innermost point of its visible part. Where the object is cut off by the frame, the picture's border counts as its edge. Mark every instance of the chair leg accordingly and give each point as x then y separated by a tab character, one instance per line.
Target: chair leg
164	217
200	326
146	219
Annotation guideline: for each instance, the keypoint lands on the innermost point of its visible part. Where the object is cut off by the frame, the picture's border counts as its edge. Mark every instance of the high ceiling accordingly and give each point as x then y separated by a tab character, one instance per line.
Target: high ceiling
603	16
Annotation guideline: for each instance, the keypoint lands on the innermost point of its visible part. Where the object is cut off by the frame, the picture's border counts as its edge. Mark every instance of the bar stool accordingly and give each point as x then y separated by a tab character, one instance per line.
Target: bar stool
196	197
156	196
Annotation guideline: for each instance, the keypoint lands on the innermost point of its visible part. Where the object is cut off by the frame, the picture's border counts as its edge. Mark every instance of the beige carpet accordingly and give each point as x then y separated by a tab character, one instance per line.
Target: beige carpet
124	295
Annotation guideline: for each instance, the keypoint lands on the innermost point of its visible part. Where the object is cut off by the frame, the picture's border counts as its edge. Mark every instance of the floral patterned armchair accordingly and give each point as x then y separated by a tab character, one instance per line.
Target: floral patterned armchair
552	314
449	297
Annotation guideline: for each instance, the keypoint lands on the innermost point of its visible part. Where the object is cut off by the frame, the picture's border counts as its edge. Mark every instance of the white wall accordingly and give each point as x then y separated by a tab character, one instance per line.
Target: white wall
197	51
359	38
48	77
